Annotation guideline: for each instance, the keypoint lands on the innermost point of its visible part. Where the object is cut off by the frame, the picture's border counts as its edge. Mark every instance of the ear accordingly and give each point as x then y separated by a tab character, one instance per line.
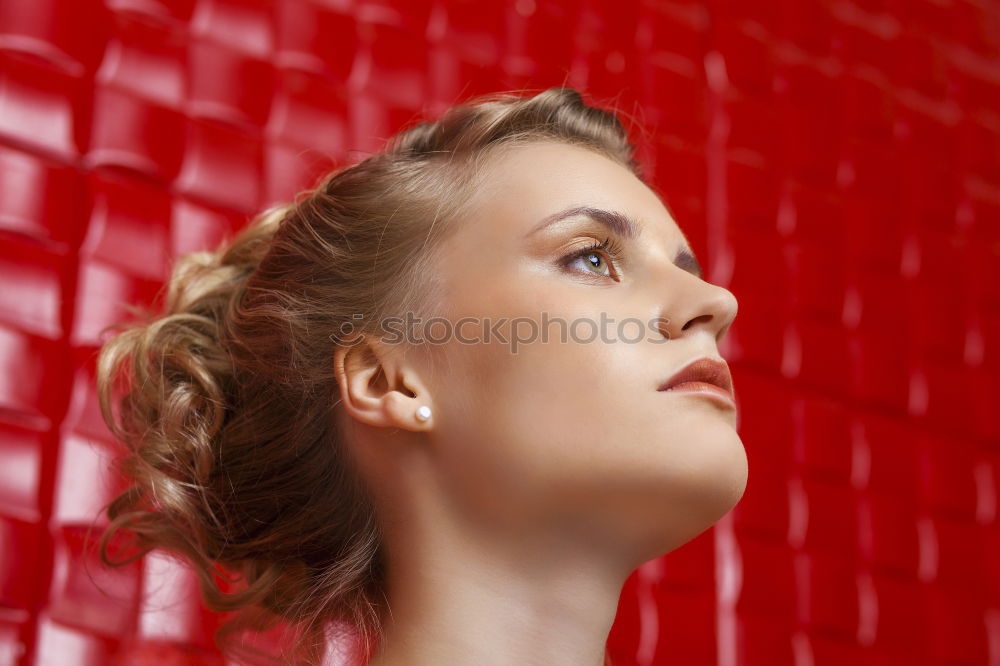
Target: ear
377	387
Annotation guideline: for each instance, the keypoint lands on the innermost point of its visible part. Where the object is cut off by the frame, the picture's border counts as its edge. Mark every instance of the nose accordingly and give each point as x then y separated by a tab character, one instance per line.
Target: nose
696	306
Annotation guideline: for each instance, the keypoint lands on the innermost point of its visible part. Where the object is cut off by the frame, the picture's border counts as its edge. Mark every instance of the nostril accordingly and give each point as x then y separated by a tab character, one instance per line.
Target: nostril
704	316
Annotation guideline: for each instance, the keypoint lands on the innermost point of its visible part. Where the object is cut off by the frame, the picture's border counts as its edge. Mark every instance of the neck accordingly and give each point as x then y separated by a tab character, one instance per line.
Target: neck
485	597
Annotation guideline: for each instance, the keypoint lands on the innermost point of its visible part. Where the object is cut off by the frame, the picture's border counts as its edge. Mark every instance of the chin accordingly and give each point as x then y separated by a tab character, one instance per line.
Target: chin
681	507
732	477
717	487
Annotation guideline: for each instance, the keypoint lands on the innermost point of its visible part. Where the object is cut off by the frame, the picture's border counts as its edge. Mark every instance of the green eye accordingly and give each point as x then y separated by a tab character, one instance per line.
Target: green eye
599	258
595	260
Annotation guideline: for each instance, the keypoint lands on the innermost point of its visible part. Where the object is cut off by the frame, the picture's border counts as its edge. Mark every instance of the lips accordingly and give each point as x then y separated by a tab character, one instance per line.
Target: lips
705	370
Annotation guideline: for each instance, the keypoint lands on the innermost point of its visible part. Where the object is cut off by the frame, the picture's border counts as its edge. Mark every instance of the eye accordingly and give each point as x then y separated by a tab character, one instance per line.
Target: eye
599	258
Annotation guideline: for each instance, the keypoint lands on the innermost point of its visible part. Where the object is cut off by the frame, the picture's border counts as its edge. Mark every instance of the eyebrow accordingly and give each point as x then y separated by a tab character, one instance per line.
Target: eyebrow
685	259
621	224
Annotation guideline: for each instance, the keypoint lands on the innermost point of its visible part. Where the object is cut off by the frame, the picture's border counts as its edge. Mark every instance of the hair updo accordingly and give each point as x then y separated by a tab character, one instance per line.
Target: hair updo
225	399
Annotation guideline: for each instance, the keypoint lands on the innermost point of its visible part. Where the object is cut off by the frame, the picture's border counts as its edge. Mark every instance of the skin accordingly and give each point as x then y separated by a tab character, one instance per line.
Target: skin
543	478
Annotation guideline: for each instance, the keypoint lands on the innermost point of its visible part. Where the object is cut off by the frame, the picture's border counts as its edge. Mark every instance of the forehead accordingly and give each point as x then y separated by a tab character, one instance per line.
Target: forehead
523	184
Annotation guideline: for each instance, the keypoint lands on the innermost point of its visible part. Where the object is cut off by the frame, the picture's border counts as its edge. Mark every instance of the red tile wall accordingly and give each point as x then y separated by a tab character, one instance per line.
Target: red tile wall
836	164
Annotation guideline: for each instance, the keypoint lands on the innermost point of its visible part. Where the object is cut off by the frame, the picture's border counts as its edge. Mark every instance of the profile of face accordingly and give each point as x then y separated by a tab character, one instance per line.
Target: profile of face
569	438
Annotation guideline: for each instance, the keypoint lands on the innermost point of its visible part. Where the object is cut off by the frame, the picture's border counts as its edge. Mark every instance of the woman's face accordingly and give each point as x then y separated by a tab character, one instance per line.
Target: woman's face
573	434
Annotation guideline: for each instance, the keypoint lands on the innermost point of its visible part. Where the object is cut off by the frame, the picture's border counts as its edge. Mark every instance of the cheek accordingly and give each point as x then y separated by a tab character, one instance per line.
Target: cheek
569	427
523	419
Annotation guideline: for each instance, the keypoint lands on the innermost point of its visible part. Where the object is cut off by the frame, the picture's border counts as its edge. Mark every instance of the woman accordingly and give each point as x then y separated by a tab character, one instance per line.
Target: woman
430	399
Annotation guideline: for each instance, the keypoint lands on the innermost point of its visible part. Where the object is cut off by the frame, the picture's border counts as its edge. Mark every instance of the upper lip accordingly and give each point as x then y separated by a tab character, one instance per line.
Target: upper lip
705	369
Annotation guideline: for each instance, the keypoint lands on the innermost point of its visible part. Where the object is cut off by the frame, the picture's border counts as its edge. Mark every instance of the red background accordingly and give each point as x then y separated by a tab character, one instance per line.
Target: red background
835	164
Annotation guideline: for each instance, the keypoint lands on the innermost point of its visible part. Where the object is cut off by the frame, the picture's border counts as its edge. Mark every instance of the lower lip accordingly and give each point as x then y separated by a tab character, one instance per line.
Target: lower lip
703	388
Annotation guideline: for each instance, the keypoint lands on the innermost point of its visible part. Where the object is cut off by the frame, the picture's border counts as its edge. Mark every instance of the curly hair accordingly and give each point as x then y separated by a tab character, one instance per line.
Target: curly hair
224	400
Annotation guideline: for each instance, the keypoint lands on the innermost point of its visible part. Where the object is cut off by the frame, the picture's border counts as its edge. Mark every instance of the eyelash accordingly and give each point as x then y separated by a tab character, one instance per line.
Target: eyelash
610	248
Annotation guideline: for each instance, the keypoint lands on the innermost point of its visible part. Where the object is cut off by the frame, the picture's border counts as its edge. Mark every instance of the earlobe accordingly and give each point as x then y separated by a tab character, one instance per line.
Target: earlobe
408	412
375	390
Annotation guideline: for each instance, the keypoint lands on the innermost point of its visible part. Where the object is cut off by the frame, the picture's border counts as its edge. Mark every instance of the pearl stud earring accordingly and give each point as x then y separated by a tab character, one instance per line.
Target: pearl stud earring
423	413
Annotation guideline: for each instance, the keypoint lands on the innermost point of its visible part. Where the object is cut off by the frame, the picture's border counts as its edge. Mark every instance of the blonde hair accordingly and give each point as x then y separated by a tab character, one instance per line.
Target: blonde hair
224	400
